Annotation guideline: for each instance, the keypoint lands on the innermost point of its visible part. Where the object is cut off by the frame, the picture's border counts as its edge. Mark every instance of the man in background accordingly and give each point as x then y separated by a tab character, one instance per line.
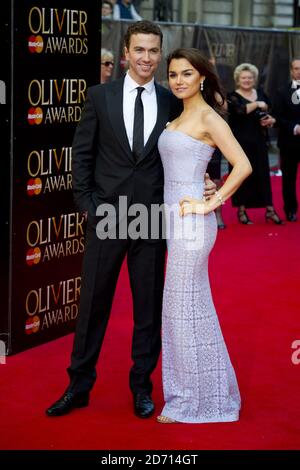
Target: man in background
107	10
287	112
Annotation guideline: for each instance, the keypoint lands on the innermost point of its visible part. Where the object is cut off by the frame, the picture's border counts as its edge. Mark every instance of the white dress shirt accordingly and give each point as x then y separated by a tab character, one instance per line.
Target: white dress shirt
295	83
150	107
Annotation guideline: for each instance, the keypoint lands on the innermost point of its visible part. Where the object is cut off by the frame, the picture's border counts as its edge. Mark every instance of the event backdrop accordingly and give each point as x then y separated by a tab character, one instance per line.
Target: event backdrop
5	111
269	50
55	55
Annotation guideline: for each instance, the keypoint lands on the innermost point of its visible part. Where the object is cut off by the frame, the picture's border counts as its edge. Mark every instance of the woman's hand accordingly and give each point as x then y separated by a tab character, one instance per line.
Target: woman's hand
269	121
190	205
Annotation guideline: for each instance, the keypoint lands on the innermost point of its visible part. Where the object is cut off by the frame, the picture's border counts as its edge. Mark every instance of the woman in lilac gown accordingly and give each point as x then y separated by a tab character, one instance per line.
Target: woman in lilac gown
198	379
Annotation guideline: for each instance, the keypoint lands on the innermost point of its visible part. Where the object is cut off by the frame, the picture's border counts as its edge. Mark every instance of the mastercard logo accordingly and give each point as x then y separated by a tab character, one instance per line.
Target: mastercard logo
34	186
35	116
33	256
35	44
32	325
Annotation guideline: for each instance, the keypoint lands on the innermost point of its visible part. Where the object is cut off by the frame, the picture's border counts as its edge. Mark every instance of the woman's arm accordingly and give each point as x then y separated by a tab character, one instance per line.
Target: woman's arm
236	106
223	138
252	106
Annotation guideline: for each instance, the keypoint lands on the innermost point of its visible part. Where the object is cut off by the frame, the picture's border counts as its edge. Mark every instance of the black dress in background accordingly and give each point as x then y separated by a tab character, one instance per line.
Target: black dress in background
255	191
214	165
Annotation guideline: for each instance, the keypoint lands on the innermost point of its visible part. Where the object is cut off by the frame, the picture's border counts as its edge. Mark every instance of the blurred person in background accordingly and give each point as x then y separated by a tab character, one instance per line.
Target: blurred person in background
249	119
137	4
163	10
107	65
107	9
287	111
125	10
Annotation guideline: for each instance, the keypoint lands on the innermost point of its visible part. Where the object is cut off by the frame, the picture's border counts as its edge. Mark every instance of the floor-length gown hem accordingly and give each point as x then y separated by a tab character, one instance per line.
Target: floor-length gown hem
202	420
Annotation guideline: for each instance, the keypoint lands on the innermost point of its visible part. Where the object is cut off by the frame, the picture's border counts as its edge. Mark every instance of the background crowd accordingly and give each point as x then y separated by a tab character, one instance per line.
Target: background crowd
250	114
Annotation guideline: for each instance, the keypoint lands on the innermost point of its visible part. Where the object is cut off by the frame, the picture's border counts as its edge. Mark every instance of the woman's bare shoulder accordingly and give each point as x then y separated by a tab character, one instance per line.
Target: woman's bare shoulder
209	116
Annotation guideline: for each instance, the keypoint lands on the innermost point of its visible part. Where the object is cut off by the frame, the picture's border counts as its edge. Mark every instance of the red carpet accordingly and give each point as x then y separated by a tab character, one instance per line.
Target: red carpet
255	278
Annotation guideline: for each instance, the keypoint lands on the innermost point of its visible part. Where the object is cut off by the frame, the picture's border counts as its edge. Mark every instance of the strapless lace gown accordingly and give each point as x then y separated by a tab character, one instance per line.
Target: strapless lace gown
199	381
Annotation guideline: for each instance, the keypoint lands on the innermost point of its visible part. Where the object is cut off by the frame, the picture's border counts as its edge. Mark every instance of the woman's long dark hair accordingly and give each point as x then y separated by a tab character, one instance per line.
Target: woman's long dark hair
212	91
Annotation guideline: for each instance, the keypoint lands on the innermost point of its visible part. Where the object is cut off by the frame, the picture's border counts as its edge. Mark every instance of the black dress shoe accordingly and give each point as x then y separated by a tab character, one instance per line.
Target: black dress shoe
67	403
143	405
291	217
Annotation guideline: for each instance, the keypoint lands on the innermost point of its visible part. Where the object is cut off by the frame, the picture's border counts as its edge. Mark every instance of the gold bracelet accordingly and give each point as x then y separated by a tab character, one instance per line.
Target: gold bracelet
220	197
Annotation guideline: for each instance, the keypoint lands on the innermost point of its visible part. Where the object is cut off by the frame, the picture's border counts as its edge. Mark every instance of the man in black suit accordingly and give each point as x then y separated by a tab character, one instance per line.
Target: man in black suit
109	161
287	112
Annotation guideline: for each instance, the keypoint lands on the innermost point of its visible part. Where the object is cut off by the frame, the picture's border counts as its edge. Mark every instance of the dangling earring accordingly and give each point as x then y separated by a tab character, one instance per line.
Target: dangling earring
202	85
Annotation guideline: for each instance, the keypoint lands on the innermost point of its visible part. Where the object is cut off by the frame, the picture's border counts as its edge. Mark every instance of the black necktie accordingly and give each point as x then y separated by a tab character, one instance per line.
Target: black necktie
138	125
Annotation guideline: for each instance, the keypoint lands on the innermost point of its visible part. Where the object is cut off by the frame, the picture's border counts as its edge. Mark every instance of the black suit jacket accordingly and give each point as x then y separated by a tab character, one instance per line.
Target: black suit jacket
102	161
287	113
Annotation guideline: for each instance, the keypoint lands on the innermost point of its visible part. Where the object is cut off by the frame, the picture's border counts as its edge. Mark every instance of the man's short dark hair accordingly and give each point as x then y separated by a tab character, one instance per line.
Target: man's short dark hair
142	27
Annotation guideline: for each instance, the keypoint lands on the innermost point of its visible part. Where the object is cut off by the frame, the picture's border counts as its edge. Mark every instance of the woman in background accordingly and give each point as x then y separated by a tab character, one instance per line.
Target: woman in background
107	65
249	119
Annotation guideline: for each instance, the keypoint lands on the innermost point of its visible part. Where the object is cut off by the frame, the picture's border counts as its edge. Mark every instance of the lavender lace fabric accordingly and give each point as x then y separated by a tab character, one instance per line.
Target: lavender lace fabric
198	378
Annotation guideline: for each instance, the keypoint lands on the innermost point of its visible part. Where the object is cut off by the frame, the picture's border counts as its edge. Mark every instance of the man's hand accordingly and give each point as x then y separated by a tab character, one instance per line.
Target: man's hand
209	187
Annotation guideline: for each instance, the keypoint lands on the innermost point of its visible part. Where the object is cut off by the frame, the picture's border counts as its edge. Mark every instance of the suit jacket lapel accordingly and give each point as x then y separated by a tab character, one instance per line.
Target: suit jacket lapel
163	112
114	97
